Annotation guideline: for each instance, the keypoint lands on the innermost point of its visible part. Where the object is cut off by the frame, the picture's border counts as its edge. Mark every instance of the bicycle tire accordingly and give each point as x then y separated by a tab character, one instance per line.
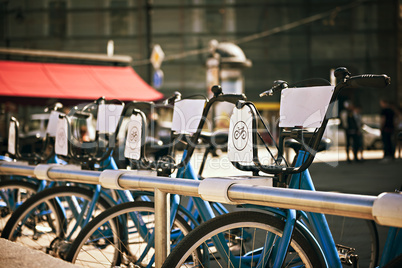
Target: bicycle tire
44	223
360	234
19	191
302	243
104	235
395	263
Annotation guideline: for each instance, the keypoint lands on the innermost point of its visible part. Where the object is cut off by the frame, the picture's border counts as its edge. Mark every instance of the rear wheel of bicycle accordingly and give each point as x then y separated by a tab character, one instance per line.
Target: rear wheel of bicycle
122	236
12	194
250	238
47	219
395	263
359	234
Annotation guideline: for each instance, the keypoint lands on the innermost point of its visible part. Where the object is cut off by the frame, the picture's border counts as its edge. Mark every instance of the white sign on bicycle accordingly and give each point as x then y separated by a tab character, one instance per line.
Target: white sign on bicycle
11	138
61	142
52	125
240	143
108	118
304	106
132	149
187	115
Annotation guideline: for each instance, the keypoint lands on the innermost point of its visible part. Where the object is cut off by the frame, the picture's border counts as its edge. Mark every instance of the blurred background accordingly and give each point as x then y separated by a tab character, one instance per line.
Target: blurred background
242	44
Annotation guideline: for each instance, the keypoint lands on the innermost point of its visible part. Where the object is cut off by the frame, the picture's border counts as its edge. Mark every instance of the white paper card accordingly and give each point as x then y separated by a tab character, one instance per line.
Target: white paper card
187	115
61	141
11	138
108	117
52	125
240	139
132	149
304	106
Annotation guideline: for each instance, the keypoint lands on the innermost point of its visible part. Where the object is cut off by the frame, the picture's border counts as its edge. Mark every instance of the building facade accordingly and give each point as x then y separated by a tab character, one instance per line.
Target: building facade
290	40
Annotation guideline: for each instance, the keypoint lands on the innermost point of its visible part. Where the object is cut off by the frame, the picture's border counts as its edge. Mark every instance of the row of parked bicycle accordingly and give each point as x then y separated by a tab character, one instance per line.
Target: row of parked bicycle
94	226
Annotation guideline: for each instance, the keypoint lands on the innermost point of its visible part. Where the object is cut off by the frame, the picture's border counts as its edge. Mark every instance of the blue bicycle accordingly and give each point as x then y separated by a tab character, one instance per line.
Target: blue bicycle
14	190
267	236
124	235
50	220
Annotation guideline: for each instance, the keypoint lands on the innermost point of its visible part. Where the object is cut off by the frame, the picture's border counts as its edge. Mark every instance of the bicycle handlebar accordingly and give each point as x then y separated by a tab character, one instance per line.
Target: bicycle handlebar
278	85
345	81
369	80
34	157
218	97
176	96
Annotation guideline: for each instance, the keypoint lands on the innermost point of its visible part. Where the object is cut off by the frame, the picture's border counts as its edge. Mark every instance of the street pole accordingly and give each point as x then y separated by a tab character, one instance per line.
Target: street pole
148	18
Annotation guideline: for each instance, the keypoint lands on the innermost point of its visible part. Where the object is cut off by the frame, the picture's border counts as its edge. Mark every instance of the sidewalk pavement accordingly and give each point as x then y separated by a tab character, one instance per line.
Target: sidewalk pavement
371	176
16	255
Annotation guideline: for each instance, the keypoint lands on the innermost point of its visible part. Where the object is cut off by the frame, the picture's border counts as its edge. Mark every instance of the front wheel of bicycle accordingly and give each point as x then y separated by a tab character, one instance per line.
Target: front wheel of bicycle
395	263
122	236
243	239
13	193
49	220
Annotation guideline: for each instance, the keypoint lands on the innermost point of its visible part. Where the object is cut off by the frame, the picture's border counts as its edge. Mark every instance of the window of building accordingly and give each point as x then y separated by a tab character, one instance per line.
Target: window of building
119	17
57	18
3	19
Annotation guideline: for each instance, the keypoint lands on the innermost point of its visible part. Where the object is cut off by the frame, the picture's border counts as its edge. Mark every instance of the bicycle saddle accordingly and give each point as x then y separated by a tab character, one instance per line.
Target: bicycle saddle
218	138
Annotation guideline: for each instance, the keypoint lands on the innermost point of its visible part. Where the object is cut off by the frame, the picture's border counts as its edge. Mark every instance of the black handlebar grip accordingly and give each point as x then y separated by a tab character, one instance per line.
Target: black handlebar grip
369	80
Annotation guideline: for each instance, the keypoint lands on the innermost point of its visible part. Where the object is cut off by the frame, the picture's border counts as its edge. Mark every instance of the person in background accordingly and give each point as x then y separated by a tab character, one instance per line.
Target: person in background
387	126
359	133
344	124
84	136
352	131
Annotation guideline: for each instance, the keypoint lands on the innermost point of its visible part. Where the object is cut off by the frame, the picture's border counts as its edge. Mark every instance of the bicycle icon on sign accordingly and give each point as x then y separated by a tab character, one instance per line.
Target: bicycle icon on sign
134	135
240	135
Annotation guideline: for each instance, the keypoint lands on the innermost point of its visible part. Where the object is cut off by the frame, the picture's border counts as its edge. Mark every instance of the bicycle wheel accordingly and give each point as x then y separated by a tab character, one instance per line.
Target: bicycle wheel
355	234
249	237
51	219
122	236
395	263
12	194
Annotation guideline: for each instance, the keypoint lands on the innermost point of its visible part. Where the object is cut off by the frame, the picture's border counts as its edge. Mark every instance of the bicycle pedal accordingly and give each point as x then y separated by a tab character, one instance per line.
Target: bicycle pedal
347	255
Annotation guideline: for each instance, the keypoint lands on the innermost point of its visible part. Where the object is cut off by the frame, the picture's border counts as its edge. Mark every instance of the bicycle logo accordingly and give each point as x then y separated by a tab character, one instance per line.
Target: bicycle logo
61	137
134	137
240	135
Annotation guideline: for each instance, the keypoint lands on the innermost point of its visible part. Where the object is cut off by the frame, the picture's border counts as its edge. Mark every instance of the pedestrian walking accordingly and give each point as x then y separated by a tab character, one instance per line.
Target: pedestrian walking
358	143
352	127
387	126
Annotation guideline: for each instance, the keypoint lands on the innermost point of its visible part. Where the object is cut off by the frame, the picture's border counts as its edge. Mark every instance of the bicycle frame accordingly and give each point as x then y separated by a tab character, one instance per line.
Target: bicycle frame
40	185
317	221
204	208
392	247
317	226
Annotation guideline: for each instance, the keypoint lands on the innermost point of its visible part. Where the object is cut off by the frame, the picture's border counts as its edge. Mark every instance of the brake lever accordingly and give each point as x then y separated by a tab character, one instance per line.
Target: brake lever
278	85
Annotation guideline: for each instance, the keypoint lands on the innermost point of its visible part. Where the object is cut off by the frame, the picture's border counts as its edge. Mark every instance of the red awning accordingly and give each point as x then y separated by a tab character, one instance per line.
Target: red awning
73	82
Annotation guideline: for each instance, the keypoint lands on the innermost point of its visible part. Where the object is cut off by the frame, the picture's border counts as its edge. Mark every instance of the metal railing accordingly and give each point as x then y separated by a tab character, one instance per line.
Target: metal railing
385	209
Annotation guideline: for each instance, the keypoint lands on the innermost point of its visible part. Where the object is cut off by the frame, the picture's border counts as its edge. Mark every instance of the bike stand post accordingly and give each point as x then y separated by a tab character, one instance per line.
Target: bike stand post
162	227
